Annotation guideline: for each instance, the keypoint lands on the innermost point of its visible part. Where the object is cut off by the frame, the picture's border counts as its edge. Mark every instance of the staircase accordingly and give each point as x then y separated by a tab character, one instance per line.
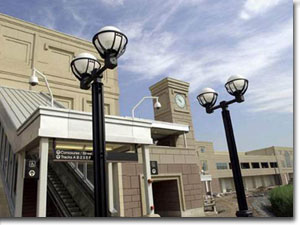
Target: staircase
61	196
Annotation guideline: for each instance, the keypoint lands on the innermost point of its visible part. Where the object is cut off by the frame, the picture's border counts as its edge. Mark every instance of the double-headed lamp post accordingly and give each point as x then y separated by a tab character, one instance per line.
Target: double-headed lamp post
110	43
236	86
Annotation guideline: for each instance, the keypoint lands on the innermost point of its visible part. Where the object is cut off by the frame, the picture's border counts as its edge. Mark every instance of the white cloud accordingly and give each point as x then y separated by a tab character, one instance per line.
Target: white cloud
113	2
252	8
156	54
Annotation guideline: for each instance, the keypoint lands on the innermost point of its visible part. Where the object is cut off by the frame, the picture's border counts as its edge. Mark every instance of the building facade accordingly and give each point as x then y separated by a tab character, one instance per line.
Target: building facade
160	172
260	168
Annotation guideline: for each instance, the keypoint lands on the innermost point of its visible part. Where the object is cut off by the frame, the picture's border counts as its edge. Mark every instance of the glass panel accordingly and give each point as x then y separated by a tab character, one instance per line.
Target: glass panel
202	149
2	146
80	167
90	172
273	165
6	162
245	165
10	167
1	150
221	166
264	165
287	159
255	165
15	176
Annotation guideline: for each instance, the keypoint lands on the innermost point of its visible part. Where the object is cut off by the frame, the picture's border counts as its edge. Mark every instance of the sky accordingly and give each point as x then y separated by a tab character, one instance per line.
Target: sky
202	42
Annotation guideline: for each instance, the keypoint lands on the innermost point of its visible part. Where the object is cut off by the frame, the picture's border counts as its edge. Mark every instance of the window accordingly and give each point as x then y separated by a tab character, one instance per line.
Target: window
202	149
229	165
283	163
273	165
287	159
221	166
264	165
204	165
245	165
255	165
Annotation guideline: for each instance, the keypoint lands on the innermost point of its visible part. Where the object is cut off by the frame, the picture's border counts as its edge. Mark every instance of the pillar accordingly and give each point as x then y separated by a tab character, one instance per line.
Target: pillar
42	183
147	176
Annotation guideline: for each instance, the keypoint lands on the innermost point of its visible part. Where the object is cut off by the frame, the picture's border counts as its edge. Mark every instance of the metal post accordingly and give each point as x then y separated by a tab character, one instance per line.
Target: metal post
99	150
235	165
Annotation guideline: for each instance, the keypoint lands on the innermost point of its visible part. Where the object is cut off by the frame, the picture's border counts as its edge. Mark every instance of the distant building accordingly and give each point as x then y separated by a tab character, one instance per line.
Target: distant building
260	168
35	135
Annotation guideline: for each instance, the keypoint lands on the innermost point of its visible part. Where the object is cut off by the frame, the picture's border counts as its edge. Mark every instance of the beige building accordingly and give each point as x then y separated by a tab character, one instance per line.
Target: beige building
260	168
160	172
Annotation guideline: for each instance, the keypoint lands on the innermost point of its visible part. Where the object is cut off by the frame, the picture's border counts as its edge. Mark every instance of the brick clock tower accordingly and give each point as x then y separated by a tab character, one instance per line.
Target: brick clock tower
173	96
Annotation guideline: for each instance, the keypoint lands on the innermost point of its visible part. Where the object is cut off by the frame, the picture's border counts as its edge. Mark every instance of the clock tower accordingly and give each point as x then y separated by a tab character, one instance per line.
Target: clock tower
173	96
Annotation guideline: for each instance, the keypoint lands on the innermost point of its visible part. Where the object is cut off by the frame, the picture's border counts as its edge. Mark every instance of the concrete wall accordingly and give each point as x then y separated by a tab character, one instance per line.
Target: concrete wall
24	45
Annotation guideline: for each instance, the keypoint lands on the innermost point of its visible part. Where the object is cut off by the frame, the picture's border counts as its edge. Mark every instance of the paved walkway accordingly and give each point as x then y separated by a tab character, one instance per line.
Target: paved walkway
4	211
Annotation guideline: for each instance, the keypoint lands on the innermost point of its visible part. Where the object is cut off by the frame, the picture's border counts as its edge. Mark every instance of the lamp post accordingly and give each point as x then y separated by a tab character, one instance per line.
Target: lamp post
236	86
110	43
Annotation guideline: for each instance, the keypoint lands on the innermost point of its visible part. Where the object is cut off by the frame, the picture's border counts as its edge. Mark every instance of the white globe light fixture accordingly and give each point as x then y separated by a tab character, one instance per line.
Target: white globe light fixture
236	85
84	64
110	41
208	97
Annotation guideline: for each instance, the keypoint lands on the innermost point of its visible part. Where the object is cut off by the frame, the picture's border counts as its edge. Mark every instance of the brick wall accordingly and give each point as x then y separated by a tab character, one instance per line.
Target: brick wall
191	182
192	186
132	189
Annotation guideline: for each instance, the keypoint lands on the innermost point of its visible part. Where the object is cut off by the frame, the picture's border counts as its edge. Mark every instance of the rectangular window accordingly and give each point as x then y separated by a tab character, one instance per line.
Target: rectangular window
255	165
229	165
283	163
204	165
221	166
1	144
202	149
264	165
245	165
273	165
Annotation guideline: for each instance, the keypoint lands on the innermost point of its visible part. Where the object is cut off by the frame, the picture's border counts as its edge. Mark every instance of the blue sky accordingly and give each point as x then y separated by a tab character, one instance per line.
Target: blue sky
199	41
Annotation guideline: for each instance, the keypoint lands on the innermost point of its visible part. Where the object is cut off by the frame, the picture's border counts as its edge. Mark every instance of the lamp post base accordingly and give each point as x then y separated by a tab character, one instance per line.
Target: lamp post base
244	213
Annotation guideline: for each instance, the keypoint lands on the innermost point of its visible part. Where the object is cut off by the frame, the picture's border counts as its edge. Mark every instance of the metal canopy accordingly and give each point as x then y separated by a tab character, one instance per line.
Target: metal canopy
27	116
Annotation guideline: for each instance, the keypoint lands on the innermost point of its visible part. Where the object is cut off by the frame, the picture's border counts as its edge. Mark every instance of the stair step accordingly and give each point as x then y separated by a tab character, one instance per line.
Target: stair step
74	209
64	192
76	213
68	201
71	204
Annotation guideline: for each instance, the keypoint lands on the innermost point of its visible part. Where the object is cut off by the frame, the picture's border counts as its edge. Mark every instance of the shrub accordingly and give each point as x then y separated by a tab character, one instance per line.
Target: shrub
281	199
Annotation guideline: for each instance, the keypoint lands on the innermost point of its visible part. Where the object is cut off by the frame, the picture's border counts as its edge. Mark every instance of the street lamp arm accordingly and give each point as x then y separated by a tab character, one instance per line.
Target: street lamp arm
95	74
140	102
224	104
47	84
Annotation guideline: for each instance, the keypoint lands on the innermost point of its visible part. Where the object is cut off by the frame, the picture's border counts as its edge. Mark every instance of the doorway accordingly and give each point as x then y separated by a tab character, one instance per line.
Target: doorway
166	198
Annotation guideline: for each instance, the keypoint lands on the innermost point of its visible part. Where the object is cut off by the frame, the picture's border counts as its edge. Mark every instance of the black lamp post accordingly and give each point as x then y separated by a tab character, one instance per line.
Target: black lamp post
110	44
236	86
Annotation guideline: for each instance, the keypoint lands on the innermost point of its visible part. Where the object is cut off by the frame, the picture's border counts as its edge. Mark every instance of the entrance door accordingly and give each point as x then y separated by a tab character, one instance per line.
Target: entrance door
29	198
166	198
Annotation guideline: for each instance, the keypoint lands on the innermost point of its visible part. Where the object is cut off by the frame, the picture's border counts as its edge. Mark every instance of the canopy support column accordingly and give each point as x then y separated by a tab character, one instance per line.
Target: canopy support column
42	183
147	178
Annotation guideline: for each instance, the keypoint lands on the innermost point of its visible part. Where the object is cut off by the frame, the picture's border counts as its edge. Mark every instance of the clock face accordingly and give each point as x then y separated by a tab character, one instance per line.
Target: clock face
180	100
